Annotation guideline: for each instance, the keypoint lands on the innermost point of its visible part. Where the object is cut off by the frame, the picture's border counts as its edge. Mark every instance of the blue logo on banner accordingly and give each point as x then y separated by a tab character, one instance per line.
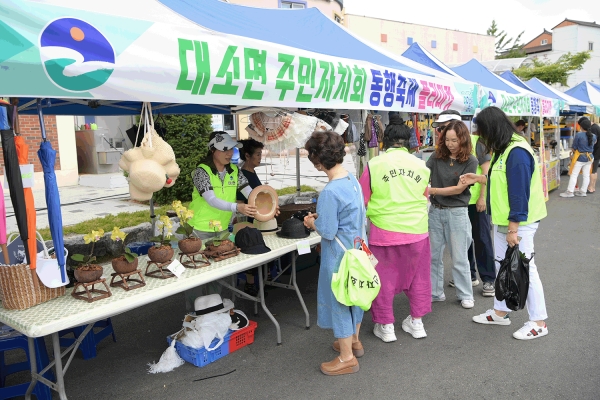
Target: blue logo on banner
76	55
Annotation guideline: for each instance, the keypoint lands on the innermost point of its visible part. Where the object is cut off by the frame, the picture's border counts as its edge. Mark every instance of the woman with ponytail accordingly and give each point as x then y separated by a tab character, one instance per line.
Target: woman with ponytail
583	157
394	186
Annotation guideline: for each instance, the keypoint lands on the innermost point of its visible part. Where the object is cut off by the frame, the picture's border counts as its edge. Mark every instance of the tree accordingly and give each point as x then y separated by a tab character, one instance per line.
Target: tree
504	49
554	72
188	136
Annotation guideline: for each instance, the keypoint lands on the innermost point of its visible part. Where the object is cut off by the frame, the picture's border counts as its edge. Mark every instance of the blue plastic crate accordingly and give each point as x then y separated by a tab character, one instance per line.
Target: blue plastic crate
202	357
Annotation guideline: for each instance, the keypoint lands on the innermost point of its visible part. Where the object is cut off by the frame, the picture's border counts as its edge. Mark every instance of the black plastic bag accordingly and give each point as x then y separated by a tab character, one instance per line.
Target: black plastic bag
512	282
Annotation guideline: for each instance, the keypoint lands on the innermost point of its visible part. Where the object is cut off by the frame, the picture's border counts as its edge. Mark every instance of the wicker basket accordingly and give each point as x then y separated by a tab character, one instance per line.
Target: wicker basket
20	288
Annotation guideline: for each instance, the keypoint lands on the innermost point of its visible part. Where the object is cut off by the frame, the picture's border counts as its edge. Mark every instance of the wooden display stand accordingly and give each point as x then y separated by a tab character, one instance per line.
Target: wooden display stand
191	261
88	293
128	278
159	273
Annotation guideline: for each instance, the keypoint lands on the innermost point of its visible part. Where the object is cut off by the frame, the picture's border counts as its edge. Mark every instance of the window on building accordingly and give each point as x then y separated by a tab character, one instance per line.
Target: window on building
545	41
292	4
384	38
337	18
591	46
455	46
409	40
433	44
475	49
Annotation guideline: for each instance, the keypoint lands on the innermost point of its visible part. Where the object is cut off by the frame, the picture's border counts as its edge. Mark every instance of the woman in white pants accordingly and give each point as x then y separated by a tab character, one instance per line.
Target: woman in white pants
516	203
583	157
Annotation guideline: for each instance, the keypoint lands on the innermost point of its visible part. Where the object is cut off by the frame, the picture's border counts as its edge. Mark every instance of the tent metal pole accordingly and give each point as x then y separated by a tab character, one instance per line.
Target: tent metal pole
152	216
41	117
298	170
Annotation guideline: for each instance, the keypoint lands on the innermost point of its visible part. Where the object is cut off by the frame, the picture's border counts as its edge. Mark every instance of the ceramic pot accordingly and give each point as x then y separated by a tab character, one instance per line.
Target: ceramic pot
122	266
89	273
190	245
160	254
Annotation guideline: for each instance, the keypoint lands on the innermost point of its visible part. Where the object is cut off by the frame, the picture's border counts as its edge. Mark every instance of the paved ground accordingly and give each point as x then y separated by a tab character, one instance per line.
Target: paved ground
458	360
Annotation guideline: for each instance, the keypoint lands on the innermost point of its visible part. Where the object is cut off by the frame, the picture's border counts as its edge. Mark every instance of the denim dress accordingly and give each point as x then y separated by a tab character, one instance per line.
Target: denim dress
341	213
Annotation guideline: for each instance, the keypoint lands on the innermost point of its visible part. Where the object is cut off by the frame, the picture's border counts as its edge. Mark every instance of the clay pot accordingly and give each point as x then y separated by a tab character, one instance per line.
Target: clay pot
226	245
190	245
160	254
122	266
88	273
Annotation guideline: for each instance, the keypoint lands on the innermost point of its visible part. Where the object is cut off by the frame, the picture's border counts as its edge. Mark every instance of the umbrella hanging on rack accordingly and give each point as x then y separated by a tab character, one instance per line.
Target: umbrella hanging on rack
31	241
15	182
47	156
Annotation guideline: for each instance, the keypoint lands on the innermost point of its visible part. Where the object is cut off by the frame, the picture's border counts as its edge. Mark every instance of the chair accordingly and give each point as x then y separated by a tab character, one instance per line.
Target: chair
91	340
12	340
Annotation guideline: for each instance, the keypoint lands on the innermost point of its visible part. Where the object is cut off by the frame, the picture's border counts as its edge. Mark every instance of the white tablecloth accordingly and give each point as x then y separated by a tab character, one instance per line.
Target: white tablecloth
67	312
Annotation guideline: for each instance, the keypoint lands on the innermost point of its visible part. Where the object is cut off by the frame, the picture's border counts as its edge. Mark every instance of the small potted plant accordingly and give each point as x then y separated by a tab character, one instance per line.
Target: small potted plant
86	271
190	244
128	260
219	245
162	251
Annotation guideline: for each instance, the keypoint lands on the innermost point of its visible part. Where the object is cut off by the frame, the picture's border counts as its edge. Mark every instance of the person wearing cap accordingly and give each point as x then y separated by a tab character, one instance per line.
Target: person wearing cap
394	186
216	184
515	201
341	214
442	120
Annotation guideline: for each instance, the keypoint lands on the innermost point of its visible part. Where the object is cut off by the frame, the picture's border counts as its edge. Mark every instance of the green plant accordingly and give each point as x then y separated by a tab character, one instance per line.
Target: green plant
117	235
184	216
166	231
93	238
503	44
292	190
219	237
188	136
556	72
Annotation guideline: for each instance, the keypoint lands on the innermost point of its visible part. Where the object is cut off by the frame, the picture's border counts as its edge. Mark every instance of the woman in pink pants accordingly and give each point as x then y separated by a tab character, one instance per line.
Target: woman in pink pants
394	185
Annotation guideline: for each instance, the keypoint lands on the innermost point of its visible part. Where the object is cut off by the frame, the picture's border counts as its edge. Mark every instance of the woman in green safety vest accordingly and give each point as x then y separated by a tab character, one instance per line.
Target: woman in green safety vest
216	184
516	204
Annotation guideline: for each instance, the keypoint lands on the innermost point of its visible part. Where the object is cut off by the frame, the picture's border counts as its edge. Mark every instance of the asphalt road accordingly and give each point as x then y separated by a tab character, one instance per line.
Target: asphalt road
458	360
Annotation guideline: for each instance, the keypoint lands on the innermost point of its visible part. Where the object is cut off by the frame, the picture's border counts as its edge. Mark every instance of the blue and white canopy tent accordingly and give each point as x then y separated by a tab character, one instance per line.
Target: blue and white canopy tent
587	92
512	99
419	54
571	103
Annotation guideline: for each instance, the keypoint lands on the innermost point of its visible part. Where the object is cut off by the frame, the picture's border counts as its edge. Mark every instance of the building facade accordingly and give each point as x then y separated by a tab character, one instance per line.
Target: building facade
331	8
449	46
570	36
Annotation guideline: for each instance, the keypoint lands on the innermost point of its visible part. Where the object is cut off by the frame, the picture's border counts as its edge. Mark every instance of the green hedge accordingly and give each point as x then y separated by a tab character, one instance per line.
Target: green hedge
188	135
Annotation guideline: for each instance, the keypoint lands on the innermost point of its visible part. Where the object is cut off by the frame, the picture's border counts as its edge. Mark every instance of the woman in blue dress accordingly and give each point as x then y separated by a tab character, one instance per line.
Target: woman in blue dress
341	213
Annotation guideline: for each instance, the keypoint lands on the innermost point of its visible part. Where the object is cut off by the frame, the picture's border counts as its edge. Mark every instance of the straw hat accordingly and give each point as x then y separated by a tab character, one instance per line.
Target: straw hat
265	199
267	228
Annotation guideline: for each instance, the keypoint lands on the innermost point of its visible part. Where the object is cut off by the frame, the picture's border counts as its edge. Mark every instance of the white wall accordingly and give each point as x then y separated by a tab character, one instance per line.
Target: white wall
68	174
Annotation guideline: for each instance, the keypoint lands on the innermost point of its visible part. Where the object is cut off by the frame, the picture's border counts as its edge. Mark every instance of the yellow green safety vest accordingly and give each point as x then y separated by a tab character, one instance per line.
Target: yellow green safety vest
398	182
476	188
203	212
498	188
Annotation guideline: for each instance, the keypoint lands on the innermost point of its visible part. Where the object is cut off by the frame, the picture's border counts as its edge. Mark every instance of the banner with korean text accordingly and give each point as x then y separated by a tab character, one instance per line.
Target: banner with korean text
52	52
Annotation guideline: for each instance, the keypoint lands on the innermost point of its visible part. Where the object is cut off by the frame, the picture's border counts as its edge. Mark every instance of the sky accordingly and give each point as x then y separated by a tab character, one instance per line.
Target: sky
512	16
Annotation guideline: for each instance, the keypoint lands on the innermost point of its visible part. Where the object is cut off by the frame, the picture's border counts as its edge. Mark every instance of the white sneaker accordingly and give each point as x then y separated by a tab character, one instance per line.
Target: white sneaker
580	193
531	330
441	298
467	303
567	194
385	332
414	327
491	318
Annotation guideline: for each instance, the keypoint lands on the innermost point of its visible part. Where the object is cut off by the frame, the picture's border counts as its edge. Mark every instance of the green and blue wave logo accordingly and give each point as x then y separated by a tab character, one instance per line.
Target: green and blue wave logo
76	56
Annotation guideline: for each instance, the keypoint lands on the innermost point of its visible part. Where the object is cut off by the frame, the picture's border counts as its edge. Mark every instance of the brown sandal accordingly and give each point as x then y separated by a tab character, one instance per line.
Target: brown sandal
339	367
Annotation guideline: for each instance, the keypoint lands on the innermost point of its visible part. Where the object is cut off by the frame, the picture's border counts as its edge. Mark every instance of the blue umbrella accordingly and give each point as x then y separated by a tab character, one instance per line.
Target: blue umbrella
47	156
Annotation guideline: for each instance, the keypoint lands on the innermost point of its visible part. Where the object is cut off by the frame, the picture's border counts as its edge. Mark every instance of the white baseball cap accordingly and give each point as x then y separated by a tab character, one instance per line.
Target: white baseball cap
445	118
222	141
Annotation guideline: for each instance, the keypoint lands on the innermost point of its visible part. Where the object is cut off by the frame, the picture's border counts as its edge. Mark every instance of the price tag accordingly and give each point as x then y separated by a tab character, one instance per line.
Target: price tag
176	268
303	247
